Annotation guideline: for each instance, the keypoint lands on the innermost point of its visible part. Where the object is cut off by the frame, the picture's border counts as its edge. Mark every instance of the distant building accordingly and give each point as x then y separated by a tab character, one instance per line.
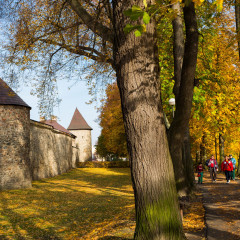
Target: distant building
82	131
31	150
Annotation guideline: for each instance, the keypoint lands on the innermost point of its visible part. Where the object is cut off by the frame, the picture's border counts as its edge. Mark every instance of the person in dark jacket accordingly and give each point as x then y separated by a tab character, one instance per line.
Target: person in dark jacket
233	160
227	167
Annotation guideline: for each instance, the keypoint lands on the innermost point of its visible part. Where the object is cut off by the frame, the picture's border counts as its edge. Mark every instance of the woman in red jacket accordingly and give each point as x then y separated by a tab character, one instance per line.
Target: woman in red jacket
227	167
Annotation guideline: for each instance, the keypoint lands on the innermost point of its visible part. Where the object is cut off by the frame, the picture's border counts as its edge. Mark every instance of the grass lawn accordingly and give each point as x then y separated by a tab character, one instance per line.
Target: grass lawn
81	204
85	203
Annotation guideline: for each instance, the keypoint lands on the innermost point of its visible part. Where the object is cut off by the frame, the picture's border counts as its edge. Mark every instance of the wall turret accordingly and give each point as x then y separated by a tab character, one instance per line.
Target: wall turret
82	131
14	140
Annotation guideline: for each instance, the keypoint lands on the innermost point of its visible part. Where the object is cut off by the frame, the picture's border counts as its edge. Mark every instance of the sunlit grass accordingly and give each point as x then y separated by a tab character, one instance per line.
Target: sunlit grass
85	203
81	204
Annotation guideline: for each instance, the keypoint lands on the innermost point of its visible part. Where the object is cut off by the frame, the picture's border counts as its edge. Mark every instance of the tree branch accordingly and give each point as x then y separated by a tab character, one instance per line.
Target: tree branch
81	50
99	29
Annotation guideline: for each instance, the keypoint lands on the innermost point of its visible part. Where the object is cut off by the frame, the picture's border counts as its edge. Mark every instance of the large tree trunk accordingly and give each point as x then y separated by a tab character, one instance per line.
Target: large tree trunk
137	68
180	122
183	157
178	47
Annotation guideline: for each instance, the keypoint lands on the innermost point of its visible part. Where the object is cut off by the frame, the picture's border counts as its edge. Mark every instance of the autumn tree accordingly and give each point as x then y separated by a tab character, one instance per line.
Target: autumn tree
112	140
136	62
216	101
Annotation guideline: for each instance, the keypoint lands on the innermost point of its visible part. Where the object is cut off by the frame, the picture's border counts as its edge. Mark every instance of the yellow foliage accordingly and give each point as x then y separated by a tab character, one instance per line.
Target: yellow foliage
217	110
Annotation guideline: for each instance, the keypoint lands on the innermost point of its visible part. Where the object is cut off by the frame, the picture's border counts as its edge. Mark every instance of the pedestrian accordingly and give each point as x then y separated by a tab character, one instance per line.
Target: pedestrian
227	167
200	173
213	167
233	160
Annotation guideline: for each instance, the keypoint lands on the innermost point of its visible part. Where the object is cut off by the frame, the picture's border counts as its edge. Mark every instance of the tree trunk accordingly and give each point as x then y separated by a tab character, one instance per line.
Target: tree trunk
221	149
203	155
216	149
178	47
179	126
137	68
188	162
238	169
197	157
237	18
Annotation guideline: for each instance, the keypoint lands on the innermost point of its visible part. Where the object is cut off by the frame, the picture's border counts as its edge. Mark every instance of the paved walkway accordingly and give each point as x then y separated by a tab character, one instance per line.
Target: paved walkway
222	204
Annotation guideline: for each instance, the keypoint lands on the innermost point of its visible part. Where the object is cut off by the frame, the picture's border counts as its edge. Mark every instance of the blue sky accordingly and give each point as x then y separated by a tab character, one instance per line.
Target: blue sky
75	97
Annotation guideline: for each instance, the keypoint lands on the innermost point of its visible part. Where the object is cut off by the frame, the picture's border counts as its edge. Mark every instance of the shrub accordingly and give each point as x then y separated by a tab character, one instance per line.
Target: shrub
106	164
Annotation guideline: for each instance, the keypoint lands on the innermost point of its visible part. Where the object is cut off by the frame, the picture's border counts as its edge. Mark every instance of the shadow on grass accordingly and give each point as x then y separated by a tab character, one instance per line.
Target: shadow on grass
70	205
19	222
113	238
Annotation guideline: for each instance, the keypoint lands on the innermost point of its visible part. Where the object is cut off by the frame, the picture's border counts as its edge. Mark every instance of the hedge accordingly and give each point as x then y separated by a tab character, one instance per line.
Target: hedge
106	164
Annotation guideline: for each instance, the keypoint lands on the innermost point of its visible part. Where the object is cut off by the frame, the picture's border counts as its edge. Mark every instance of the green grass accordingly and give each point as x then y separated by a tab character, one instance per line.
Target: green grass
81	204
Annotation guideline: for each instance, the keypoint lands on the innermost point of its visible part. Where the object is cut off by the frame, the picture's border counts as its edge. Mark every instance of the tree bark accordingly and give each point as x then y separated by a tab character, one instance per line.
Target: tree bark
178	47
216	157
186	158
188	161
197	157
137	69
238	169
221	149
203	156
103	31
237	18
180	123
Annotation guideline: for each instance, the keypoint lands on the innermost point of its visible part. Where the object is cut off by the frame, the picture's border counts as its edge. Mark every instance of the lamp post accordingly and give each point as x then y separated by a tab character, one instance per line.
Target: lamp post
172	103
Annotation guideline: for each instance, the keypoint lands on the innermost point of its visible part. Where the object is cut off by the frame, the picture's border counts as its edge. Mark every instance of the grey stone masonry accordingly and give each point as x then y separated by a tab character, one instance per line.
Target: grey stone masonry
14	147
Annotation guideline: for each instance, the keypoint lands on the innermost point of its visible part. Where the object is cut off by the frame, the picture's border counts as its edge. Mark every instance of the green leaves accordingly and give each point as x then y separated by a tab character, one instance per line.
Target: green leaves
146	18
139	29
135	13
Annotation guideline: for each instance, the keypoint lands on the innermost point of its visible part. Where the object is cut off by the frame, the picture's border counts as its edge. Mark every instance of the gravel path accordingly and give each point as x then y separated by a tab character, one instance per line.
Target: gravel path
222	204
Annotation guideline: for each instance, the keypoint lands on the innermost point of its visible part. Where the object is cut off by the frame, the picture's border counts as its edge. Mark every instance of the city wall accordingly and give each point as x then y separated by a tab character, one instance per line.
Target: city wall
14	147
51	151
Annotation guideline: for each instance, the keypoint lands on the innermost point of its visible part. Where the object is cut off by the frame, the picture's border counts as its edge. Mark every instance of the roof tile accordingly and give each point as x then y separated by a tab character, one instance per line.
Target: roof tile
9	97
78	122
56	125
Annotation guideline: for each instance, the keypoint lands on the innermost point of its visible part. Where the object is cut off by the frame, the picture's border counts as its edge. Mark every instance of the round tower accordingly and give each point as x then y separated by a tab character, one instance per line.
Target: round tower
14	140
83	141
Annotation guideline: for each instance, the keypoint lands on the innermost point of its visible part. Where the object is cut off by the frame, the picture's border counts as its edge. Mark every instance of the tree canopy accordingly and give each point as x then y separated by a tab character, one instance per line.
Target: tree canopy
77	29
112	141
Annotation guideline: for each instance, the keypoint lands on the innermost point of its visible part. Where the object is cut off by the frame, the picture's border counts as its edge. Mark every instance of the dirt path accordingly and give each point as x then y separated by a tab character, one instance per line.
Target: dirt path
222	204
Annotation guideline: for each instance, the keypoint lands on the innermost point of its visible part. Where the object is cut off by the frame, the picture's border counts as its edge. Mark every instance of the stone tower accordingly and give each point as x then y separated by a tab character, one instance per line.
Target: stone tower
82	131
14	140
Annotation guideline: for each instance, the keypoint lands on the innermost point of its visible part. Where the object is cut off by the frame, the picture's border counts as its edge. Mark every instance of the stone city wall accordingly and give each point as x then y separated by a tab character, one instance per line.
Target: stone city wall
50	151
14	147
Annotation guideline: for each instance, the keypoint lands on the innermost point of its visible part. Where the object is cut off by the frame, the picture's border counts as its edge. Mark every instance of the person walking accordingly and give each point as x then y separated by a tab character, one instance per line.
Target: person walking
213	167
227	167
200	173
233	160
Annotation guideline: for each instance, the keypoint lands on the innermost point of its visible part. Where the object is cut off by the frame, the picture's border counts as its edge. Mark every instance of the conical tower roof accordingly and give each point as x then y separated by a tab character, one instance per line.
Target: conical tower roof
78	122
9	97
